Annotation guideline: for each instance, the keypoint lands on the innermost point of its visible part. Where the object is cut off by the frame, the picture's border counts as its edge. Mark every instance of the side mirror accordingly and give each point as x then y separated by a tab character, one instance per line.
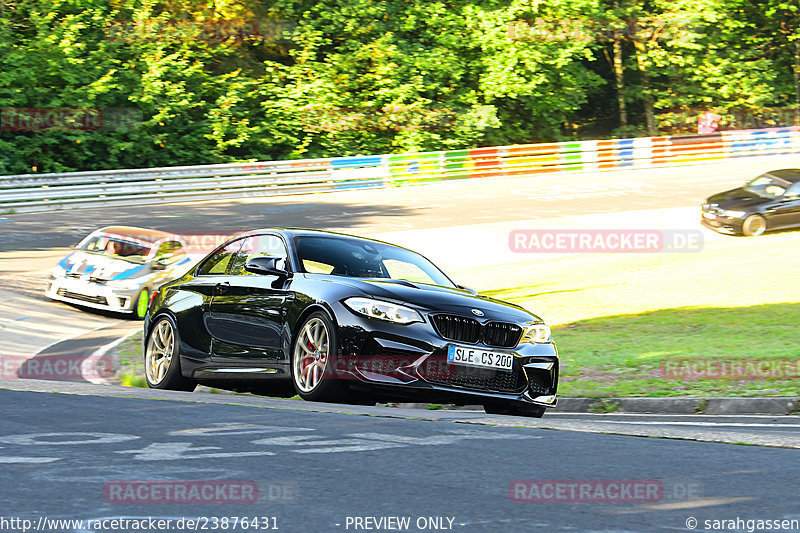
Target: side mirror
160	264
473	291
266	266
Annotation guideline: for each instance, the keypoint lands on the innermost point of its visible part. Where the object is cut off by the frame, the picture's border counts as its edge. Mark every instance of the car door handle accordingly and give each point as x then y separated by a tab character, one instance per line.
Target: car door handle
222	288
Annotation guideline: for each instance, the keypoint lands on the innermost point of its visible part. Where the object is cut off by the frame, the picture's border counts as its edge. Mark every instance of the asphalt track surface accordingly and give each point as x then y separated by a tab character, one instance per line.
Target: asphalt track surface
315	465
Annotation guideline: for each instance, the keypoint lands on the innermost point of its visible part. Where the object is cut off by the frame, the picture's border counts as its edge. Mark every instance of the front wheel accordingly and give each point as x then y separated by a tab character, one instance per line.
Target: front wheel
312	361
162	361
754	225
142	302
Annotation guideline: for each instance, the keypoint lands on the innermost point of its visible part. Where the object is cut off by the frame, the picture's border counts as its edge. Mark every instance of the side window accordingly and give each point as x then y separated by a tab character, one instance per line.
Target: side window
218	263
258	246
793	190
169	248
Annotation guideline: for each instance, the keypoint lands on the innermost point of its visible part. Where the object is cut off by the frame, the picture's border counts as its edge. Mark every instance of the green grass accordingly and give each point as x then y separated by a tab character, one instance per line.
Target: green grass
620	318
131	366
628	355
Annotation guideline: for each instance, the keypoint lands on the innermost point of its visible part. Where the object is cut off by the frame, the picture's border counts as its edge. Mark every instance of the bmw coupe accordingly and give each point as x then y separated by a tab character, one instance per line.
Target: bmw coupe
338	318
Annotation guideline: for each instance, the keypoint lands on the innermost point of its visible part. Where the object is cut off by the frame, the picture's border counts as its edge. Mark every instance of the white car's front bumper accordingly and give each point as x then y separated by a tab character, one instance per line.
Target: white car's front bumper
95	295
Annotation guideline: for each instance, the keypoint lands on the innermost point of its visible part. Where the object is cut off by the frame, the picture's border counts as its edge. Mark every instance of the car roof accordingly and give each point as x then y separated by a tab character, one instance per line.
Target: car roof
298	232
789	174
140	234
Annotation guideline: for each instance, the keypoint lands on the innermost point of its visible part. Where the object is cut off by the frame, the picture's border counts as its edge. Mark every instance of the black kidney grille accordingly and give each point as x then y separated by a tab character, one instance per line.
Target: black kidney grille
458	328
501	334
465	329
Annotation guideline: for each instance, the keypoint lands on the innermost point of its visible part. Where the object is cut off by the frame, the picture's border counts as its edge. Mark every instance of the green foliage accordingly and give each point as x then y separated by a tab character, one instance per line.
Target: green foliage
344	77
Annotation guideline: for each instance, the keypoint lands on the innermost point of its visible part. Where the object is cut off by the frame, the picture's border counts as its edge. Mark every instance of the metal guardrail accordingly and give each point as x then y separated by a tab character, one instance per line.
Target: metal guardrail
47	192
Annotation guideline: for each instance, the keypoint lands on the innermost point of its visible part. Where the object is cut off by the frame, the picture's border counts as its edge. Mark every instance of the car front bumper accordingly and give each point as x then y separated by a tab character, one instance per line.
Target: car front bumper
93	295
411	361
729	226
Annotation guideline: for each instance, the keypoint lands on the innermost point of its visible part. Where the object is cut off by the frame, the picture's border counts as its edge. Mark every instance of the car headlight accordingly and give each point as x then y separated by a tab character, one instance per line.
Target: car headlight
399	314
538	334
58	272
731	214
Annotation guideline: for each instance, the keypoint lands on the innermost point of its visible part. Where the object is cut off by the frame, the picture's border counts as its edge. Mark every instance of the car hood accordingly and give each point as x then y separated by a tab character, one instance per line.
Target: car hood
436	298
739	198
102	267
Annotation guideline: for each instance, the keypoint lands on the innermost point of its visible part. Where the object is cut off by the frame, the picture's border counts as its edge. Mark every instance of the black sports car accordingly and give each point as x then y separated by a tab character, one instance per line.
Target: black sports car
770	201
342	318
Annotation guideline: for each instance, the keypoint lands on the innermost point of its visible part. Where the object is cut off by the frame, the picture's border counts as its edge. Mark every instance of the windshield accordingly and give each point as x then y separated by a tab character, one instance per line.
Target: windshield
768	186
355	258
115	247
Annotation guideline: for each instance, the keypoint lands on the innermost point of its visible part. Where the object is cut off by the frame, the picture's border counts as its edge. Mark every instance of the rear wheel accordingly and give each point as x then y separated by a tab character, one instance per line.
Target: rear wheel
312	361
754	225
162	362
533	411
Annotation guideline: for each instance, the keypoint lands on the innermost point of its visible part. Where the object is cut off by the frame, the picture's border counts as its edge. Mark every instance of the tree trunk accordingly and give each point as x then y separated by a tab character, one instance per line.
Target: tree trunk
618	74
623	112
796	74
647	97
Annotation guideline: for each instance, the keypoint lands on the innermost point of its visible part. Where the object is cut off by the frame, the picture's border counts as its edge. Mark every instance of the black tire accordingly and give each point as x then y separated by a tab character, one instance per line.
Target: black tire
753	226
163	344
533	411
312	361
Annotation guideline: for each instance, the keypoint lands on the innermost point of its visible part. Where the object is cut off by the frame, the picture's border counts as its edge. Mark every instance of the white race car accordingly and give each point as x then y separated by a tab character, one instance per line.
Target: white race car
118	267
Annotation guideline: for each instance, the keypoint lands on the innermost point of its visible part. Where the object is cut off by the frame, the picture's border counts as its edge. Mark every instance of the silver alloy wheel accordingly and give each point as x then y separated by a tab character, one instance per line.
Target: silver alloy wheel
754	225
160	349
310	355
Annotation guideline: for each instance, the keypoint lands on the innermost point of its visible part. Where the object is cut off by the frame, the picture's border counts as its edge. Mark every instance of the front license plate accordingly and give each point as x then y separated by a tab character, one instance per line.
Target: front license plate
710	216
462	355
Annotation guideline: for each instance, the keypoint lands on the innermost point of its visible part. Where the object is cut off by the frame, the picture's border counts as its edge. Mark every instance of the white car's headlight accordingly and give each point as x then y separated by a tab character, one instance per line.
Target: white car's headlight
538	334
381	310
58	271
731	214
